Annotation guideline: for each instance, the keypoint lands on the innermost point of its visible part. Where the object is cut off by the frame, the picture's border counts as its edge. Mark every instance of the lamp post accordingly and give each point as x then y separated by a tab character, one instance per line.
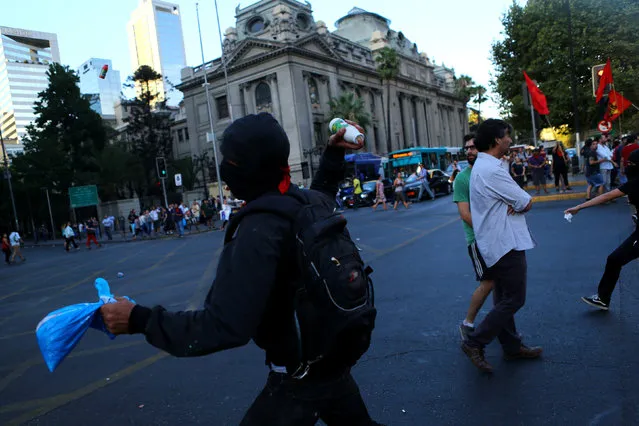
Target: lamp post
8	176
211	135
50	213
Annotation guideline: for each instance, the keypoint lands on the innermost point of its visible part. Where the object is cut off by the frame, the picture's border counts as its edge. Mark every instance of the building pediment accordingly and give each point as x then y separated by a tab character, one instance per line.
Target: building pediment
250	49
317	44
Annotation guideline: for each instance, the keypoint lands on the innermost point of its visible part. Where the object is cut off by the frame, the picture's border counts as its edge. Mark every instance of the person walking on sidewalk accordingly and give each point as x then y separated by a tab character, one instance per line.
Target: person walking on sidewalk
15	239
92	224
461	196
108	222
398	184
629	249
69	237
380	197
498	205
560	162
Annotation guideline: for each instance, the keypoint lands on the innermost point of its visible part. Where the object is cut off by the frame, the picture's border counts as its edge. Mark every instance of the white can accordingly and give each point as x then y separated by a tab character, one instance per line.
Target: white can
352	134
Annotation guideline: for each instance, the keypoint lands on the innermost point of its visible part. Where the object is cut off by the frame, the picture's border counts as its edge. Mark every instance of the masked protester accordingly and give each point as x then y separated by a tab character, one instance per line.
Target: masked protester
253	294
629	249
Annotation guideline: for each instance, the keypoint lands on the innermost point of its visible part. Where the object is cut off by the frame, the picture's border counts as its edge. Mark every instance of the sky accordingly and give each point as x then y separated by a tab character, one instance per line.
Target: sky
456	33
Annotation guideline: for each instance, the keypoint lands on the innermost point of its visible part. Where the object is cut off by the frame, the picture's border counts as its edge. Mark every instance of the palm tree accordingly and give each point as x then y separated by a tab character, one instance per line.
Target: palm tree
479	98
464	88
388	69
350	107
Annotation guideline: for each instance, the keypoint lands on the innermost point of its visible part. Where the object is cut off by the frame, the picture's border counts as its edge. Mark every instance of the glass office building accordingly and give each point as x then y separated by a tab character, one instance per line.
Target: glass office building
24	60
156	40
102	93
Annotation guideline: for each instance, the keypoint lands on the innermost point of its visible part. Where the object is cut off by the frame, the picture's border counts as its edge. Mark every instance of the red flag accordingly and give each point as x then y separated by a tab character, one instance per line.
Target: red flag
605	80
537	96
617	104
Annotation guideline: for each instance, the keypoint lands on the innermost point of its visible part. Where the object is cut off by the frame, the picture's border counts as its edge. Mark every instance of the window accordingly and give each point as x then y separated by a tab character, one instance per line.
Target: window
263	97
222	107
303	21
202	114
186	134
256	25
319	134
313	93
180	136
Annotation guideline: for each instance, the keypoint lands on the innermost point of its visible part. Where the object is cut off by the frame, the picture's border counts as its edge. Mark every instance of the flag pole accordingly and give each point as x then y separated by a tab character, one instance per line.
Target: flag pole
532	118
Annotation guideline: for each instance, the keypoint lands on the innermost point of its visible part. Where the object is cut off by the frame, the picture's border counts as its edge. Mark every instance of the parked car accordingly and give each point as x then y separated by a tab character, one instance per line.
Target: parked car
438	182
367	197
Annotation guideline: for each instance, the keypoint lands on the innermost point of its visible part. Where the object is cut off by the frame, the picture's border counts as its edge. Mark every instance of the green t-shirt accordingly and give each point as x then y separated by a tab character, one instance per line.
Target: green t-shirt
461	188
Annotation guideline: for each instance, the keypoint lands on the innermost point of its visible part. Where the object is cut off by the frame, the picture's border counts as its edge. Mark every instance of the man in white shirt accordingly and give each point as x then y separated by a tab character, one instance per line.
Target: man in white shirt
498	205
108	222
15	239
604	154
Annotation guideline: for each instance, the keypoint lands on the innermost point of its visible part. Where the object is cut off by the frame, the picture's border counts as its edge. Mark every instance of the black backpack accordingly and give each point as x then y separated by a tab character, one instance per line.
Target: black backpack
334	303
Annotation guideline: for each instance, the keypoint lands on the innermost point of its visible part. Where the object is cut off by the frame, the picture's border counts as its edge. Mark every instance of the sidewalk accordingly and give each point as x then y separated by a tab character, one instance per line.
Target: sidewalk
577	183
118	237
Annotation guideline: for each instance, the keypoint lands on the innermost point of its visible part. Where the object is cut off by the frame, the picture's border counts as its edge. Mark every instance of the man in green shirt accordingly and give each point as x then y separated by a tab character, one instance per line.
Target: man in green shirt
461	196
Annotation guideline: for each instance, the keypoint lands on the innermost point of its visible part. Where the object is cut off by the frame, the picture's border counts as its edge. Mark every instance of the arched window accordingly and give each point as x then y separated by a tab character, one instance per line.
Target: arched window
263	100
313	92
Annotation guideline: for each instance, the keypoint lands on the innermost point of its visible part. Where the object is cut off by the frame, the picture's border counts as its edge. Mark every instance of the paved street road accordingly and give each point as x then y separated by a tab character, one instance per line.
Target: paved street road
414	374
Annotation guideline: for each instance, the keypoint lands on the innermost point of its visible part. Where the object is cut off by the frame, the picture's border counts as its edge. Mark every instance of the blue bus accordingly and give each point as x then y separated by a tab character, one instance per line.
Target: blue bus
407	160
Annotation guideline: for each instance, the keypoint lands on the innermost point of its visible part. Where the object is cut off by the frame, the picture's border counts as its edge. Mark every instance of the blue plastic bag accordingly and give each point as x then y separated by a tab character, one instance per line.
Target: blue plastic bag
60	331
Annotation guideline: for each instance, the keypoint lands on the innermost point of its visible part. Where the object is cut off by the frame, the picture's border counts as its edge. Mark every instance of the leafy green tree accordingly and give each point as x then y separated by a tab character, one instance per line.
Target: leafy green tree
537	40
388	69
350	107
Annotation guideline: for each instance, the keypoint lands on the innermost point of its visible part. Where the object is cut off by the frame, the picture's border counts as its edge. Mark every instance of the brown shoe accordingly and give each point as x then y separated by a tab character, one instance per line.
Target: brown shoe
476	356
524	353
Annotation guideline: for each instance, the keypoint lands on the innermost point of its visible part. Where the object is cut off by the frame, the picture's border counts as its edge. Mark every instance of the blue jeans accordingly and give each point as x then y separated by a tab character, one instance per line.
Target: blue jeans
180	227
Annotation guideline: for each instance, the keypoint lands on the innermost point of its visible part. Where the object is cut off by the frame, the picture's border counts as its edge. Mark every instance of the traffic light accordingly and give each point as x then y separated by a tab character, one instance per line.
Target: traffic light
597	72
160	165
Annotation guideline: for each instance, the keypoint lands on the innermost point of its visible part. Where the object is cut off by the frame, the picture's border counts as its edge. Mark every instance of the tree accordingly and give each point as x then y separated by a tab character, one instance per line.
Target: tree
388	69
465	88
537	41
149	127
350	107
479	97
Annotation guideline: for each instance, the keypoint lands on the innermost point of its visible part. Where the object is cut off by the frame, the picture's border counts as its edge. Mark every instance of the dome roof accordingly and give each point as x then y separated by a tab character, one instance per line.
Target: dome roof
358	11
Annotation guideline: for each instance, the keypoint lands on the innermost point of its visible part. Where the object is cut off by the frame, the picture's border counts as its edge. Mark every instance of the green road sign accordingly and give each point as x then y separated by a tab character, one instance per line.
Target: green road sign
83	196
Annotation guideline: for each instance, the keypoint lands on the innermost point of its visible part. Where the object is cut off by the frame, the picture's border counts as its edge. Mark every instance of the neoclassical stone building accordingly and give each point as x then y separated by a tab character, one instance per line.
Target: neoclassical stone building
280	60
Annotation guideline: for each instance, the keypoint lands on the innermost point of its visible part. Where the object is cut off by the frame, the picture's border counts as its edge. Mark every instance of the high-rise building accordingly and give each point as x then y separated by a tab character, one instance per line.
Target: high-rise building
24	60
156	40
102	93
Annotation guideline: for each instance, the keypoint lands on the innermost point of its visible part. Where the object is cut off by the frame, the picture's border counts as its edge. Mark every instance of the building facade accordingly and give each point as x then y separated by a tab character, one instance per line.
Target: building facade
102	93
156	40
25	57
280	60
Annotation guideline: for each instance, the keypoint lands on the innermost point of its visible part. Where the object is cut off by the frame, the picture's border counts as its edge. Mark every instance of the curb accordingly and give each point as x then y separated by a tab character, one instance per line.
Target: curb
559	197
108	243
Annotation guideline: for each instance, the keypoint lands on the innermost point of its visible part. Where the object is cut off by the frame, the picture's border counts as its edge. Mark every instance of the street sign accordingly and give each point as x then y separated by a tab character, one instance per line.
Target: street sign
83	196
178	179
604	126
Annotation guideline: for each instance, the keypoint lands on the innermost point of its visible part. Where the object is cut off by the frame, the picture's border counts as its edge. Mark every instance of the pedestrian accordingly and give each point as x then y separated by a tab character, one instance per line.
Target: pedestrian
422	173
461	196
398	184
108	223
380	197
593	172
498	205
91	226
132	219
560	162
178	218
357	192
252	296
15	240
69	237
518	171
6	249
604	155
629	249
537	164
225	213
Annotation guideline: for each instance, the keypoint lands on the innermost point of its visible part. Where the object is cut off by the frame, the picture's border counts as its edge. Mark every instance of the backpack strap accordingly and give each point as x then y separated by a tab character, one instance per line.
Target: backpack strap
284	205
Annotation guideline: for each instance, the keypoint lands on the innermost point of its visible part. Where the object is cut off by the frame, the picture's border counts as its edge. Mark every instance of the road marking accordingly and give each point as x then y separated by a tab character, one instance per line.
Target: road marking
204	281
45	405
84	280
164	259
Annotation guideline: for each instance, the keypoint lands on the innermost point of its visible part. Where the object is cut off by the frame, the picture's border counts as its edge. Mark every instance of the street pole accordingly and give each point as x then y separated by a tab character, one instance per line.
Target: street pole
166	201
50	213
8	176
208	107
226	77
573	80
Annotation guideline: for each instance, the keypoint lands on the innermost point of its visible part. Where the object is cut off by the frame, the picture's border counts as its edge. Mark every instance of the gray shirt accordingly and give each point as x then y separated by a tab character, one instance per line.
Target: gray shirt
492	190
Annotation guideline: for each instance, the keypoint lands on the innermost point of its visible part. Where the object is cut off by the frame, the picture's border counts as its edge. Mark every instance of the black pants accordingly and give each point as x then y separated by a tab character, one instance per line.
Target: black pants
7	255
509	295
624	254
561	173
291	402
68	242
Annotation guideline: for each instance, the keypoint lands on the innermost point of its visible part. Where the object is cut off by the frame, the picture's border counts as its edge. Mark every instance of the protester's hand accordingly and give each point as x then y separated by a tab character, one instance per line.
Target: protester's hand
573	210
338	138
511	211
116	315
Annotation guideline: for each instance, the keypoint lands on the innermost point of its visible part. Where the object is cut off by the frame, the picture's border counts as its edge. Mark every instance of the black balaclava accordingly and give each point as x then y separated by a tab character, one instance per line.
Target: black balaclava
255	150
632	170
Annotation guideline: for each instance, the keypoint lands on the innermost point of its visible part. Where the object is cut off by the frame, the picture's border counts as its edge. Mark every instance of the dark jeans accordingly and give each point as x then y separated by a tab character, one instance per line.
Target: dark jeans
68	242
561	173
509	295
7	255
107	231
625	253
291	402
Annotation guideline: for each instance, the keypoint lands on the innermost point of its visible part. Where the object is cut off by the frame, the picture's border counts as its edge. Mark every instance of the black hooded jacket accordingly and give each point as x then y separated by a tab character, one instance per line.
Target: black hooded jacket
250	297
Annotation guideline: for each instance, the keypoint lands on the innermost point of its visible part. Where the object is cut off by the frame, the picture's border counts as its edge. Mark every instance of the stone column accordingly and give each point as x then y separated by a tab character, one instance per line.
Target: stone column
249	98
275	96
406	119
430	126
324	92
421	122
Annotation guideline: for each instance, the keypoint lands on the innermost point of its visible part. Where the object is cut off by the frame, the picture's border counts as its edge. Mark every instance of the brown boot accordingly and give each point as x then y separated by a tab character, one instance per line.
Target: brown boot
476	356
524	353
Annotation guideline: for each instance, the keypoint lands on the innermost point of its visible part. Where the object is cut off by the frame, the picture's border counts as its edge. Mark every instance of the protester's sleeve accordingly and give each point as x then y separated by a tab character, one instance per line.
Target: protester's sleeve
503	186
236	301
331	171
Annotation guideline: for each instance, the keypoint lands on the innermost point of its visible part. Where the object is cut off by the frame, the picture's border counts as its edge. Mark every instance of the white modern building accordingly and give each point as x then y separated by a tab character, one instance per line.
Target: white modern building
25	57
102	93
156	40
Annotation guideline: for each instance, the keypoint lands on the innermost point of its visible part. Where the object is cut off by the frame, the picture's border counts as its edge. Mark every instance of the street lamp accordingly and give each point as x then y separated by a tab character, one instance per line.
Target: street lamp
8	177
